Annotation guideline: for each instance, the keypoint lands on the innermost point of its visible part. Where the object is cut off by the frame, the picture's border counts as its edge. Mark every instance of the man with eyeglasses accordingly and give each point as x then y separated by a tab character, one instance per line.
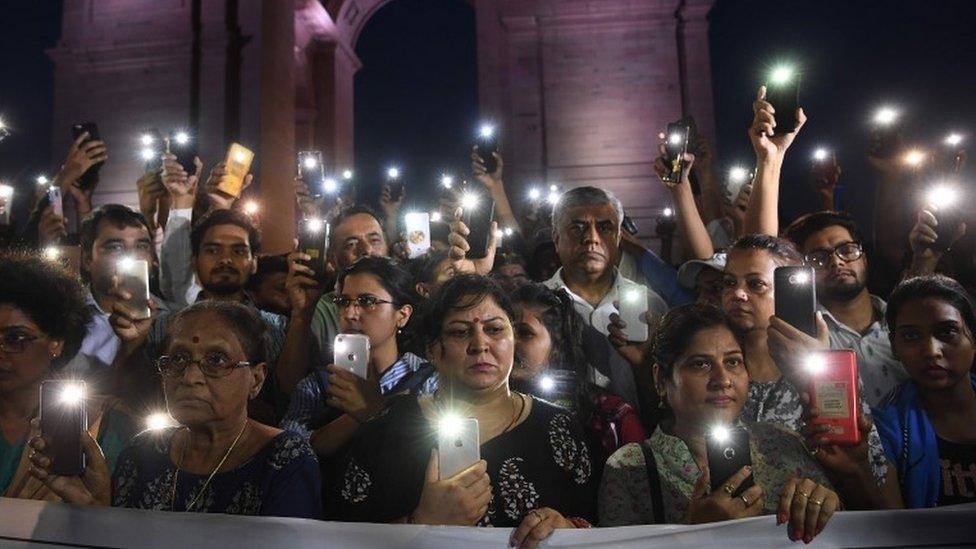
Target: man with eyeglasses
831	244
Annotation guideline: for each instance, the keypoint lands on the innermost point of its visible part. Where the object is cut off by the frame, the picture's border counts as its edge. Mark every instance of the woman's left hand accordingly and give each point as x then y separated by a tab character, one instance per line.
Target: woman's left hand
93	487
846	461
806	506
360	398
536	526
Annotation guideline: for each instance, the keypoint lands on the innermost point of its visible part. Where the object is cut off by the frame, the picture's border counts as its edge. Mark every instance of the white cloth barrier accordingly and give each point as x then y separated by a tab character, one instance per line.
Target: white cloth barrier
32	523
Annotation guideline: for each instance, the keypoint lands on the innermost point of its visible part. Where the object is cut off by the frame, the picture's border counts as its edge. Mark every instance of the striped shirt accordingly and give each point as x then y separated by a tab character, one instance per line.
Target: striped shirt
308	411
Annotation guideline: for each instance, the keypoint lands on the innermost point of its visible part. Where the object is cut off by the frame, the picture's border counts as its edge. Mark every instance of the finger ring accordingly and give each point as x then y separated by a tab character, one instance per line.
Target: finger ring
802	493
728	489
744	500
815	502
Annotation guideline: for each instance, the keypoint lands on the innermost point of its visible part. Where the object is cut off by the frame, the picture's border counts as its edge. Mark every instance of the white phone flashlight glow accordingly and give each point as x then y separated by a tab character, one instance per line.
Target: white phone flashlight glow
72	394
738	174
820	154
6	192
553	197
814	364
509	231
435	217
885	116
953	140
535	194
449	424
547	383
251	207
914	158
720	433
347	174
668	212
675	139
447	181
42	180
330	185
182	138
781	75
314	225
486	131
126	264
393	173
147	154
632	296
159	421
310	162
146	139
469	201
942	196
52	253
800	277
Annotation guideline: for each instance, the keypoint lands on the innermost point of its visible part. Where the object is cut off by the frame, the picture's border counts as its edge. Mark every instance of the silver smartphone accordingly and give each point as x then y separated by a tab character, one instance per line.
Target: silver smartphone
54	197
458	446
351	352
633	305
418	233
134	278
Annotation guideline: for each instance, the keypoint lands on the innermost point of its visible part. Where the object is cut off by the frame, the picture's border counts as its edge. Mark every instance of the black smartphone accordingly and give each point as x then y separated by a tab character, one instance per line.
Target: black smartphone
183	145
313	240
478	220
90	178
629	225
692	133
783	93
396	190
796	297
153	148
488	144
675	146
727	450
949	218
64	416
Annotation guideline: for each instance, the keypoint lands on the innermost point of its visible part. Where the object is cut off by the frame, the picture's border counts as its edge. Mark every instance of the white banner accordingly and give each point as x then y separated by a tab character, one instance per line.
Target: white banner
25	522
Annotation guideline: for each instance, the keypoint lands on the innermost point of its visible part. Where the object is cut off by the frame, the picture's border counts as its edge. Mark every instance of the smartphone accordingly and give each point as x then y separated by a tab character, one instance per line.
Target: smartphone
57	204
64	416
458	448
633	306
675	146
418	233
310	168
948	218
727	455
558	386
488	144
6	203
183	146
629	225
238	163
134	278
351	352
313	240
157	147
784	96
68	257
833	390
478	221
396	190
795	289
90	178
693	142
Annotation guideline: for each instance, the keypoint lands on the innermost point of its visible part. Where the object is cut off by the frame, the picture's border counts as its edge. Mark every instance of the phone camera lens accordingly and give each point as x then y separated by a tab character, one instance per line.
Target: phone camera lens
351	356
458	443
729	453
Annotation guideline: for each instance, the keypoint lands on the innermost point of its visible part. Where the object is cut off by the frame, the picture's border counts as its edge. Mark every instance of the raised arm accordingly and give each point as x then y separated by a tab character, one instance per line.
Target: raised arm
694	235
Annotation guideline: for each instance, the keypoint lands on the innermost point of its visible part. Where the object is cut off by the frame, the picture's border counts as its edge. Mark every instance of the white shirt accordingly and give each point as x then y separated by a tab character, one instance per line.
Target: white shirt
599	317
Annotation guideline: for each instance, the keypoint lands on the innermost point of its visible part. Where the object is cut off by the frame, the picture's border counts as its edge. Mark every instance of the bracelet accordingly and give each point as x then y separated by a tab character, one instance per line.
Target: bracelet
579	522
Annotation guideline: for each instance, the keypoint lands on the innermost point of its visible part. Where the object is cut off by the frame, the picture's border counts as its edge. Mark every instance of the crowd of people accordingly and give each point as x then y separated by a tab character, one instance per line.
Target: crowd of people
579	423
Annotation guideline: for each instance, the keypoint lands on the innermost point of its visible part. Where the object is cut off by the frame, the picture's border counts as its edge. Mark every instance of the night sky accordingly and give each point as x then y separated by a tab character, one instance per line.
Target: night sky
416	95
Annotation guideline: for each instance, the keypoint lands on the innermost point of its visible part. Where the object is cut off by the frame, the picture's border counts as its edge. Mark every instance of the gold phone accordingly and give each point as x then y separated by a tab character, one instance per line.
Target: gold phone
238	163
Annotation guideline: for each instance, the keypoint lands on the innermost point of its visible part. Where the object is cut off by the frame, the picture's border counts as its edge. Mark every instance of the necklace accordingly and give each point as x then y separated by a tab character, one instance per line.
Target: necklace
176	474
518	414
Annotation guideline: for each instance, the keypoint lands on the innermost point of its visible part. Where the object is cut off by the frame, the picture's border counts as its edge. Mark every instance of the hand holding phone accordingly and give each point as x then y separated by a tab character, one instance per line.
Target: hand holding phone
833	391
632	310
311	171
783	93
675	146
417	226
237	163
64	416
458	445
486	146
351	353
795	291
313	241
90	178
183	146
57	204
133	277
478	212
728	451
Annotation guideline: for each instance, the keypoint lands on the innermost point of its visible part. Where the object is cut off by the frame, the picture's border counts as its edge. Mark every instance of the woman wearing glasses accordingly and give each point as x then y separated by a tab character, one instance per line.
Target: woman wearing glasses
375	298
535	473
216	459
42	322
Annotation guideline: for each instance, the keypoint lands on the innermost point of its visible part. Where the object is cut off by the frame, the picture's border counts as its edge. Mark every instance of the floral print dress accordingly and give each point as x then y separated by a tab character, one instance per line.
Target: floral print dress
625	492
542	462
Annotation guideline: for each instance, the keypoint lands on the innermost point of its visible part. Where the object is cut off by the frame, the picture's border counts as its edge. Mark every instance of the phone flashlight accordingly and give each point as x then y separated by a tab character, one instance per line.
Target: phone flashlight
547	383
535	194
314	224
52	253
330	185
347	175
668	212
738	174
435	217
147	140
781	75
393	173
159	421
486	131
310	162
914	158
720	433
4	132
42	180
942	196
147	154
251	207
447	181
886	116
814	364
820	154
800	277
509	231
449	424
182	138
469	201
953	139
553	197
6	192
72	394
6	195
675	139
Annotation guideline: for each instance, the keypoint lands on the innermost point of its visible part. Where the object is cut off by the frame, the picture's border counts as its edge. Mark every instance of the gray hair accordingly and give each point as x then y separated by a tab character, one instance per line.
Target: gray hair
585	196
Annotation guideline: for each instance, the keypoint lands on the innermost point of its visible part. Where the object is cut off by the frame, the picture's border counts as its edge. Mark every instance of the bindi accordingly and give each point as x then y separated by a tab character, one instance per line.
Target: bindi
196	339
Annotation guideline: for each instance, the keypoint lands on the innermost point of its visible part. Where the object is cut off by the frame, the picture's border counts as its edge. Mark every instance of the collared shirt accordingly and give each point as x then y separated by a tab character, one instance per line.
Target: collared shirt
324	328
308	411
877	366
599	317
176	274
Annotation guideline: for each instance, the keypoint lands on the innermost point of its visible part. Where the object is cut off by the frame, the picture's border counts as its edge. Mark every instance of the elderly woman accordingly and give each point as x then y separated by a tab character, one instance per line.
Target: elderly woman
700	373
535	473
552	366
216	460
928	426
42	323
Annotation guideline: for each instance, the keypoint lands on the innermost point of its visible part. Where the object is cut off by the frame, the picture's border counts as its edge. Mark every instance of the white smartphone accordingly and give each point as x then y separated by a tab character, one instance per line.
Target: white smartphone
6	203
134	278
418	233
54	197
633	305
351	352
458	447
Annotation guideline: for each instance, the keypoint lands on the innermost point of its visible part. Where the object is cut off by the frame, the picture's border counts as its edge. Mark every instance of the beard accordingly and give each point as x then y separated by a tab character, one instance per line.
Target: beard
223	288
844	291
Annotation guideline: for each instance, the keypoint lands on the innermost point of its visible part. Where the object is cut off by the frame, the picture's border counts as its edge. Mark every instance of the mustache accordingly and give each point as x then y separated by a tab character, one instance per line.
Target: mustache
225	269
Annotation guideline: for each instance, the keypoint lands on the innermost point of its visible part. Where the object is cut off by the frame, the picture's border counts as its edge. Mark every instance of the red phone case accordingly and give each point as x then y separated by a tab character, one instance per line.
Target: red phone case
833	390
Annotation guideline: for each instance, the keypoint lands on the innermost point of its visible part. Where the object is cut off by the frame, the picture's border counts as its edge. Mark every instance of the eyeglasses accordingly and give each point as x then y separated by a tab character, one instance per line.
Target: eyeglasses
364	302
14	343
214	365
847	252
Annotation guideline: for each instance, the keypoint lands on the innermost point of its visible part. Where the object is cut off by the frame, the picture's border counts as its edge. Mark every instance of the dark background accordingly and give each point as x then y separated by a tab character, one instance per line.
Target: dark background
416	95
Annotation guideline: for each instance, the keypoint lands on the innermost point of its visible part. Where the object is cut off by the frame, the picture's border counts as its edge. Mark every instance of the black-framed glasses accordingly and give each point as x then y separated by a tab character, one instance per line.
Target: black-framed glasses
847	252
365	302
212	365
14	343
